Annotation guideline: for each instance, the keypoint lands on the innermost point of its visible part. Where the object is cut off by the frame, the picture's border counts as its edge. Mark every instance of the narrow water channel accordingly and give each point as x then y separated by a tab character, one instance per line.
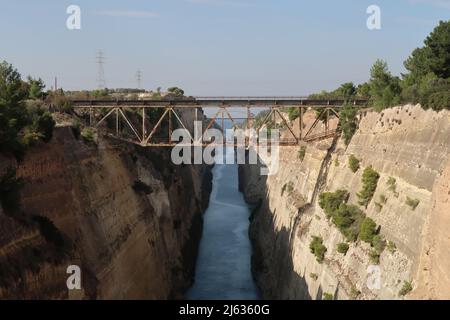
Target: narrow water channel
223	267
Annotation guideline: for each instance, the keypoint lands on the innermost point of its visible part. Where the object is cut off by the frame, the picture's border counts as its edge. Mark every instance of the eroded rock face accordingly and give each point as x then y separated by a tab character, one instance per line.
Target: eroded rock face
406	143
131	220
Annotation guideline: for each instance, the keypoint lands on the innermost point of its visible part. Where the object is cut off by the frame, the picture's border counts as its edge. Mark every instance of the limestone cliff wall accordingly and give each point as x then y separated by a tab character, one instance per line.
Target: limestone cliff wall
406	143
129	218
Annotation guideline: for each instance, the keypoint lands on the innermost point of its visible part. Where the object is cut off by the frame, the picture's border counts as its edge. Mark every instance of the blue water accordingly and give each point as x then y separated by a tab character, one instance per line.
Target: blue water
223	267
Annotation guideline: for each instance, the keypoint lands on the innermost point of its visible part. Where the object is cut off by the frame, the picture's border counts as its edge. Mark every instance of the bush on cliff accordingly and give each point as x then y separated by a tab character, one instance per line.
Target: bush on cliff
317	248
327	296
348	219
342	248
368	230
293	113
374	257
406	288
302	153
88	135
378	243
353	163
348	122
330	201
370	181
40	128
289	187
413	203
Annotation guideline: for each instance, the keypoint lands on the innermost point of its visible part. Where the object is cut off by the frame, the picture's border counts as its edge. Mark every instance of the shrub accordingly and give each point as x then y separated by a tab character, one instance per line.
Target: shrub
330	201
368	230
439	100
431	92
88	135
22	121
348	219
289	187
406	288
10	187
354	293
391	183
413	203
293	113
140	186
348	122
374	257
342	248
177	91
45	124
41	125
336	162
353	163
378	243
314	276
30	137
370	180
391	246
392	186
327	296
302	153
318	249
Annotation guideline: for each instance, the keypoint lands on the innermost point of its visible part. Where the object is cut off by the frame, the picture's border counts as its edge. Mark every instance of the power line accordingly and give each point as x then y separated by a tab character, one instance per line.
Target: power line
100	60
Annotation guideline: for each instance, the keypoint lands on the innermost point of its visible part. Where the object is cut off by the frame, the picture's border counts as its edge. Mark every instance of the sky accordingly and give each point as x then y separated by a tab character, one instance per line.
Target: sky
214	47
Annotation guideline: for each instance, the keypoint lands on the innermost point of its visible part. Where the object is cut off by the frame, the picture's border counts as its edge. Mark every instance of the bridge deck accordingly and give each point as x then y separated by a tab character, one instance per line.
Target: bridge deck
211	102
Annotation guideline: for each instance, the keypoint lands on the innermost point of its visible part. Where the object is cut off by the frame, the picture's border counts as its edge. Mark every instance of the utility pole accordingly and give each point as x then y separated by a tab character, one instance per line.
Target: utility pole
139	78
56	84
100	60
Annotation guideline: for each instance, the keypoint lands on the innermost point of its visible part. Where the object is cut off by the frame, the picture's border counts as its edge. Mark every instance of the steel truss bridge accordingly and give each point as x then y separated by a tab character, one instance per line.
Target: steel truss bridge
144	133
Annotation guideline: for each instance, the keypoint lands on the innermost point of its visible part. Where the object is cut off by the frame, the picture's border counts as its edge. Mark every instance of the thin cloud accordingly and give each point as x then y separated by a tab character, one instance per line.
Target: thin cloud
129	14
230	3
435	3
416	21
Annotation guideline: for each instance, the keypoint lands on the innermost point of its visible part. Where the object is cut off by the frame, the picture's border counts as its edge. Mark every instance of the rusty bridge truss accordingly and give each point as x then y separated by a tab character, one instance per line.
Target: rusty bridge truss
143	131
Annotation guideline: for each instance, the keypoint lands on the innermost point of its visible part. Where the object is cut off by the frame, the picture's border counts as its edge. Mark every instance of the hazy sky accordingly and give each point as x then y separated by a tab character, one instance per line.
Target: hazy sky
214	47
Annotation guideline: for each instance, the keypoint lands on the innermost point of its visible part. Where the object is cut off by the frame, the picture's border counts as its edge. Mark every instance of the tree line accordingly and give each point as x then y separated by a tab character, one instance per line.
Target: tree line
427	80
23	118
